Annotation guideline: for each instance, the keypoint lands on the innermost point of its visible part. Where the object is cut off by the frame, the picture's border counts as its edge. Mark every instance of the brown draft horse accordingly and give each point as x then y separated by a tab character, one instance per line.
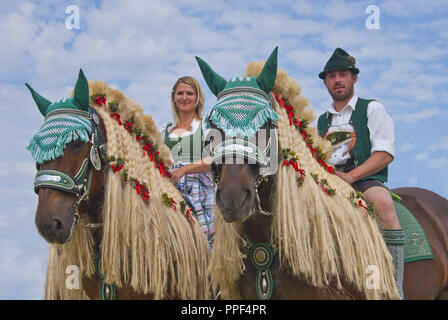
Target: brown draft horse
424	279
60	213
244	199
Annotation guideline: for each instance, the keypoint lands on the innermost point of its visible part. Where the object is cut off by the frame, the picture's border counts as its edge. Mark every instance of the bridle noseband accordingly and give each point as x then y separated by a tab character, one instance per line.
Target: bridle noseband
80	184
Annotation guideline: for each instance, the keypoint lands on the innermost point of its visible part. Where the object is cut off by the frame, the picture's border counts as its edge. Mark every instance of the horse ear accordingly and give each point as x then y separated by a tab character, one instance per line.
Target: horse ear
267	76
215	82
81	99
41	102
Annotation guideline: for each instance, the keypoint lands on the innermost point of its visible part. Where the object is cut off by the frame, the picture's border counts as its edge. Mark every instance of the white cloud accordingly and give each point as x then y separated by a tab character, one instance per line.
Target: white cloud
23	275
411	8
406	147
418	116
421	156
438	163
413	180
440	145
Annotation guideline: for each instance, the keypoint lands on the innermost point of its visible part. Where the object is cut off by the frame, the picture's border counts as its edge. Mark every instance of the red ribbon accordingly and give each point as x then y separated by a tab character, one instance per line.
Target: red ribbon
325	190
147	147
189	216
141	190
117	117
116	168
137	186
295	165
298	122
99	100
173	203
145	194
163	170
128	125
328	168
293	120
289	109
361	205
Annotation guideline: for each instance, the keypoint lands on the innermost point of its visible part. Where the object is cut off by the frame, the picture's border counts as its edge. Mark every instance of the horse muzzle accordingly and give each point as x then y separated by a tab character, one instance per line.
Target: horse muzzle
236	204
56	226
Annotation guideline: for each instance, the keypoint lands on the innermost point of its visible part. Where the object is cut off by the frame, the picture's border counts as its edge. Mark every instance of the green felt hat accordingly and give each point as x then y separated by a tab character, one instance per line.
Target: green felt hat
340	60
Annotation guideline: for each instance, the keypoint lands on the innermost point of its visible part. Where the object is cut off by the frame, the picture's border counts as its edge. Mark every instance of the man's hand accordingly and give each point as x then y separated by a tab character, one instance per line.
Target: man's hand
346	176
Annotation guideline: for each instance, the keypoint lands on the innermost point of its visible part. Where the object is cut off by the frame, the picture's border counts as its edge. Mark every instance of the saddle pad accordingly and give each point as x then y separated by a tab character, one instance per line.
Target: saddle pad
416	245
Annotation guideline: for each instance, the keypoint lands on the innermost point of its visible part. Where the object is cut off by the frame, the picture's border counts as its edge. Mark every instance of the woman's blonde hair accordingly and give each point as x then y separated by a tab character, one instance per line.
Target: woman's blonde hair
192	82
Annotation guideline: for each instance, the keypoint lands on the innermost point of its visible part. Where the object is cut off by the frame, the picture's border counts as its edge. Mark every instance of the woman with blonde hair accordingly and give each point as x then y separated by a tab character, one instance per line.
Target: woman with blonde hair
185	138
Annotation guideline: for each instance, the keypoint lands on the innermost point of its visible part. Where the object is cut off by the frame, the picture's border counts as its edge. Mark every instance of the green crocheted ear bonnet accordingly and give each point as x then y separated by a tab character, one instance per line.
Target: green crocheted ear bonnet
66	120
243	105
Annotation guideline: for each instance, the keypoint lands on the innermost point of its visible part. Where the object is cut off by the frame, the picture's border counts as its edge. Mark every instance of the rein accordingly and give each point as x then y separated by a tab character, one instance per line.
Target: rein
80	184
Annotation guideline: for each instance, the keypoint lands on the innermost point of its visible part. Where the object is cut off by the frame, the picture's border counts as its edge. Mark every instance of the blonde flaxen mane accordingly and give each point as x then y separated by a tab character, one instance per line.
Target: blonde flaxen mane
149	246
323	237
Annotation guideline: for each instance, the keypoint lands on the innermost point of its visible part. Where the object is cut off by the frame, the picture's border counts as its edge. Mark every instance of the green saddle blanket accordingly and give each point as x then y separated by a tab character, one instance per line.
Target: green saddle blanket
416	245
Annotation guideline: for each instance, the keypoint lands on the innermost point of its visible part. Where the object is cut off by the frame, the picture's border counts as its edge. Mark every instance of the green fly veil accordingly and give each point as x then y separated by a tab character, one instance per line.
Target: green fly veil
66	120
243	104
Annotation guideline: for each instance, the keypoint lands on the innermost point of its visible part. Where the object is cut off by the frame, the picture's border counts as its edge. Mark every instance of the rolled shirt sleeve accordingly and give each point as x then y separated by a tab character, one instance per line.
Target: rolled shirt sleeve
381	127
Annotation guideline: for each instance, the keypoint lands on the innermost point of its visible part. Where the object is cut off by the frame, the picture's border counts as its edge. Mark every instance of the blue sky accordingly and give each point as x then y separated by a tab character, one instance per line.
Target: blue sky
142	47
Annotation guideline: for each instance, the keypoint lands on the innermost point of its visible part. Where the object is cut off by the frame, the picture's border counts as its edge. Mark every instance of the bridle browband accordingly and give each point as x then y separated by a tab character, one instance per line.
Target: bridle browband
78	185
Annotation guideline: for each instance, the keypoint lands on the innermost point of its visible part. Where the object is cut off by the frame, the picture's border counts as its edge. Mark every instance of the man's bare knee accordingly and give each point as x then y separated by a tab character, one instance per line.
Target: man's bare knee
384	207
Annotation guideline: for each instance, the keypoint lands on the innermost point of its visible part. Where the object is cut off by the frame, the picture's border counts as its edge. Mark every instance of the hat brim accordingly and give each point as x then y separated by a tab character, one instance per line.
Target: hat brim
351	68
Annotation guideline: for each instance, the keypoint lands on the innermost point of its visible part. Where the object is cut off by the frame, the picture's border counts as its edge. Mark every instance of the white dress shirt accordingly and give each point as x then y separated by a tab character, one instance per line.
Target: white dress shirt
379	123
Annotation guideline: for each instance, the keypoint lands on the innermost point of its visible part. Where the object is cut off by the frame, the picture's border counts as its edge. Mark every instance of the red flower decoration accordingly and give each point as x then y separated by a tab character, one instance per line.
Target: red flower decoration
173	203
117	117
189	216
116	168
99	100
127	125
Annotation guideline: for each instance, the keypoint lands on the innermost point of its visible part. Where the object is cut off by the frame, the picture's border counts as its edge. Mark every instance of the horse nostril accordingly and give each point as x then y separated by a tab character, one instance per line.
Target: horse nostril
57	225
248	195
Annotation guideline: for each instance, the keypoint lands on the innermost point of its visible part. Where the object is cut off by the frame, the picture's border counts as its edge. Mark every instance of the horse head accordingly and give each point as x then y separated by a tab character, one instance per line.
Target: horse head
243	143
67	154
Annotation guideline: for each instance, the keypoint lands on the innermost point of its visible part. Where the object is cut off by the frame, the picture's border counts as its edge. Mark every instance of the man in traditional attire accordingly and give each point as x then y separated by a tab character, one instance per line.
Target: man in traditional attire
362	135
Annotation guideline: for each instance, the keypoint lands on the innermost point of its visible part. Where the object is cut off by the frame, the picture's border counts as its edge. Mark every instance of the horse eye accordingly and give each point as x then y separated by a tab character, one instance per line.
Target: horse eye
254	168
76	146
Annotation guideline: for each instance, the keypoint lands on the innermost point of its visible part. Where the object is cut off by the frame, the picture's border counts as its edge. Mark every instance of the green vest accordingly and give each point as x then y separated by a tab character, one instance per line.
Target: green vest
362	149
186	149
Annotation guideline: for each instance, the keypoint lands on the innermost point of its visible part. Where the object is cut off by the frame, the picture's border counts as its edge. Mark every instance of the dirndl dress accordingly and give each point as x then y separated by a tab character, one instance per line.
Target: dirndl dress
197	189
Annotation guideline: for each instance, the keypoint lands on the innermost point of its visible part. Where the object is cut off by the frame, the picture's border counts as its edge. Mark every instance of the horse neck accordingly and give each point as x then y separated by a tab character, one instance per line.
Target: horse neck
258	226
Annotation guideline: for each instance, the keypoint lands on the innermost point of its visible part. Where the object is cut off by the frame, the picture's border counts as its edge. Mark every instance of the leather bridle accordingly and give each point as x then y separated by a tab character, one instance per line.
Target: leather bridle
80	184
